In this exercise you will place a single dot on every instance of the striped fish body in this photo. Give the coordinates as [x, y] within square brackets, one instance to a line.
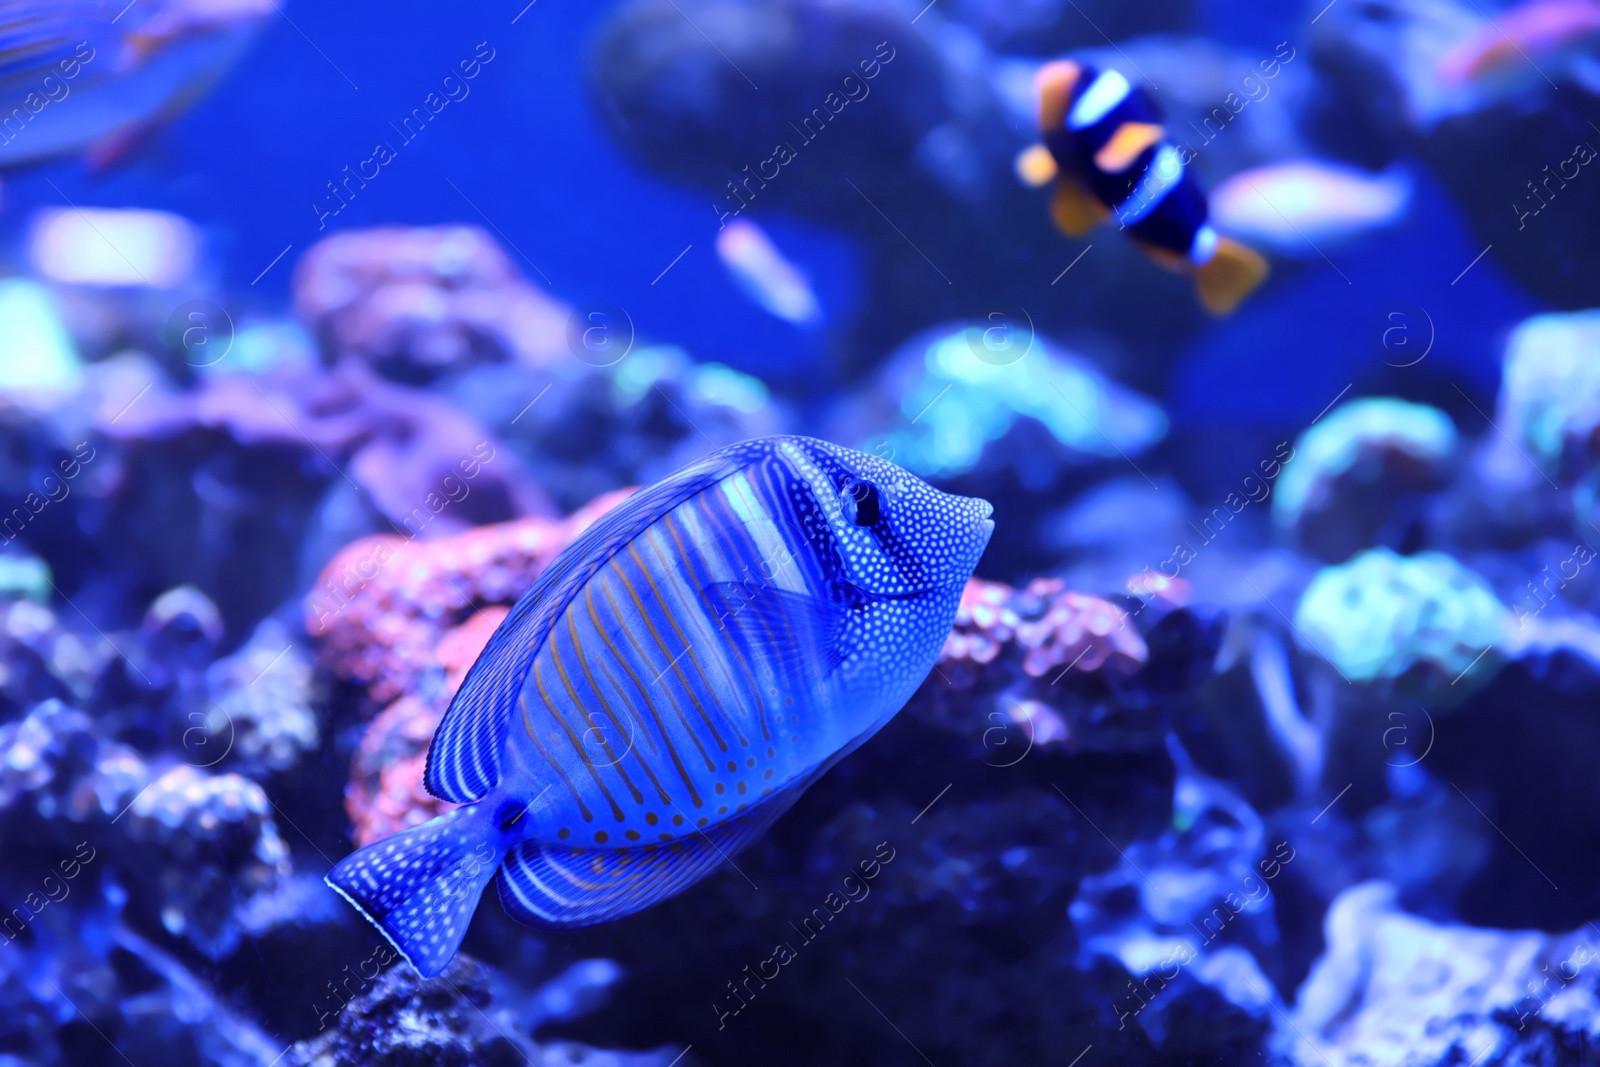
[671, 685]
[669, 694]
[1107, 148]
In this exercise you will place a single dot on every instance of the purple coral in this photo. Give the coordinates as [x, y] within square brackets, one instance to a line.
[414, 302]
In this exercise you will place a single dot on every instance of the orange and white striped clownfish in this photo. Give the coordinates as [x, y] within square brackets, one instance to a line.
[1108, 153]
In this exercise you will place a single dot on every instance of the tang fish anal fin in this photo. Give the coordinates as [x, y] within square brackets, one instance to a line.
[796, 633]
[464, 758]
[1229, 276]
[1074, 208]
[553, 886]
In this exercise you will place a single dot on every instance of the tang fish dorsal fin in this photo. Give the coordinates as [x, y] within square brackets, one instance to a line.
[554, 886]
[464, 758]
[36, 33]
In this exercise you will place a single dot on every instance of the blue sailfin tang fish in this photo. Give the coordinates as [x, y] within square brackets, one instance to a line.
[127, 69]
[670, 685]
[1106, 148]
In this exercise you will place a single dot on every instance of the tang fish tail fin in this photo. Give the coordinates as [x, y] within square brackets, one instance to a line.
[421, 886]
[1074, 208]
[554, 886]
[1230, 275]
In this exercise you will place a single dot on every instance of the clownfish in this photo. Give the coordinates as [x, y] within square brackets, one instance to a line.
[1108, 153]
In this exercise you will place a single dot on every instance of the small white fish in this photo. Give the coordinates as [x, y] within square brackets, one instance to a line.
[1290, 206]
[83, 76]
[1514, 50]
[106, 247]
[764, 275]
[1455, 57]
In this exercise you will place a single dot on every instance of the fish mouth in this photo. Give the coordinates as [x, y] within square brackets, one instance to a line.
[986, 521]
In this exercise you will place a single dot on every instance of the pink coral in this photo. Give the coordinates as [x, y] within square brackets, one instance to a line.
[1046, 625]
[385, 794]
[388, 610]
[1081, 631]
[383, 603]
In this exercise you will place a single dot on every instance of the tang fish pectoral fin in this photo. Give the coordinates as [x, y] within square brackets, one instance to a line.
[795, 633]
[421, 886]
[1074, 208]
[552, 886]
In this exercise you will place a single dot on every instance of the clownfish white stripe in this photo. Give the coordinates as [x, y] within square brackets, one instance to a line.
[1163, 175]
[1103, 94]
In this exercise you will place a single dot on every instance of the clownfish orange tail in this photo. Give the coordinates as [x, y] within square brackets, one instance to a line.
[1231, 274]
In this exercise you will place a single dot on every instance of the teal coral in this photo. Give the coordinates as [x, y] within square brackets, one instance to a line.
[1550, 398]
[1383, 618]
[36, 353]
[1081, 408]
[1355, 439]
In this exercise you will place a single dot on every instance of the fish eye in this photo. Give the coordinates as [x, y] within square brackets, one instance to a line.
[861, 503]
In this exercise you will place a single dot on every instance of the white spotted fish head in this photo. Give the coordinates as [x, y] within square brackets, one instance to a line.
[895, 535]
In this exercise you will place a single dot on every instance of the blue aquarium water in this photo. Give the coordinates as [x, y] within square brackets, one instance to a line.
[688, 532]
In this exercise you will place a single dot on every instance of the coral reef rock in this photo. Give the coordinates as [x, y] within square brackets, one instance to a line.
[1396, 991]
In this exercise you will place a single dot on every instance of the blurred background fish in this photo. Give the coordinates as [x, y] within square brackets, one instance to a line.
[126, 70]
[1528, 45]
[1291, 206]
[763, 274]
